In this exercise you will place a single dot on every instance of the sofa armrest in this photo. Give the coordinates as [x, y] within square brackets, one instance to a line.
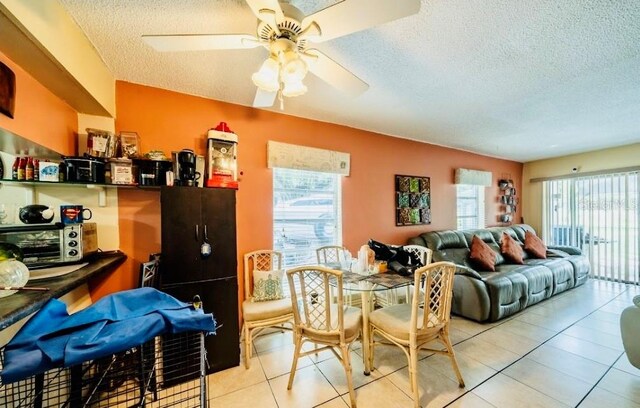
[571, 250]
[463, 270]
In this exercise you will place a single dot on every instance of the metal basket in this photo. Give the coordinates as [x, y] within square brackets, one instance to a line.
[167, 371]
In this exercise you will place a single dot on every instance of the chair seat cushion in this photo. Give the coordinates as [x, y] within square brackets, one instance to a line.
[352, 321]
[396, 320]
[270, 309]
[352, 325]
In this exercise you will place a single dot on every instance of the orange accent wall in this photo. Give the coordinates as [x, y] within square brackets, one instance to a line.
[171, 121]
[39, 115]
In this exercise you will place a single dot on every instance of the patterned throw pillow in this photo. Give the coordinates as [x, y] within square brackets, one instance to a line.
[267, 285]
[482, 256]
[511, 249]
[534, 245]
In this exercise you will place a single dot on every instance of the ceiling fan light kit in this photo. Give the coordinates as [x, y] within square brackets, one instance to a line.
[285, 31]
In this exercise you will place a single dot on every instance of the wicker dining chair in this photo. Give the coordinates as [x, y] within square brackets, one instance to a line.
[411, 327]
[330, 254]
[258, 316]
[323, 319]
[395, 296]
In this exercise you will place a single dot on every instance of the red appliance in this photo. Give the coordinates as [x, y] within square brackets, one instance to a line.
[222, 167]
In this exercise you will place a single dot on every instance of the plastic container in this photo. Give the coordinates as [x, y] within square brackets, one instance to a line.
[101, 143]
[122, 171]
[12, 273]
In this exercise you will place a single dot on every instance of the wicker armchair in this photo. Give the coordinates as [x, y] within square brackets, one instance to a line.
[323, 319]
[261, 315]
[411, 327]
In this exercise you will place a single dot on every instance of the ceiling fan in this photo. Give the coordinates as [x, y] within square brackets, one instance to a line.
[287, 34]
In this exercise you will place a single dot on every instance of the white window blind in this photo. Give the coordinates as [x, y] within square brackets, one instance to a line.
[470, 206]
[307, 213]
[598, 214]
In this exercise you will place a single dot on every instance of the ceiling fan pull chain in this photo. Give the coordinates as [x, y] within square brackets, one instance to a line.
[281, 99]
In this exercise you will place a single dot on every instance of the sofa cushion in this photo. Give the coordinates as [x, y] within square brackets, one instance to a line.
[534, 245]
[507, 291]
[562, 270]
[486, 236]
[511, 249]
[482, 255]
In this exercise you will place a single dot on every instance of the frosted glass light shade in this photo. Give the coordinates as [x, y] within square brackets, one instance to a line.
[294, 88]
[267, 76]
[294, 70]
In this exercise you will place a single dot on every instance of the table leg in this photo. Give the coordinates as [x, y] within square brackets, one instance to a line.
[365, 298]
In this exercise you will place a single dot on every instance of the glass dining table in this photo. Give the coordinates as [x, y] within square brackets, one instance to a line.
[367, 285]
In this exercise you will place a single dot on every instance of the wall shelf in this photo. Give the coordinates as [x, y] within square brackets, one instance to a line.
[100, 188]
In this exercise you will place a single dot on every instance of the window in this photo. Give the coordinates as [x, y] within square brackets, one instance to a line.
[470, 206]
[599, 214]
[306, 214]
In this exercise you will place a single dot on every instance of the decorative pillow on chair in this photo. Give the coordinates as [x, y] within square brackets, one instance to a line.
[482, 255]
[534, 245]
[511, 249]
[267, 285]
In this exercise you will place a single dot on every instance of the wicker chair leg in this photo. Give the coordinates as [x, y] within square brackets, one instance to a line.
[247, 346]
[294, 364]
[454, 363]
[413, 376]
[346, 363]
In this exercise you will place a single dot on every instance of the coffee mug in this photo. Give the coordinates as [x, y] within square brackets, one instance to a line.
[74, 214]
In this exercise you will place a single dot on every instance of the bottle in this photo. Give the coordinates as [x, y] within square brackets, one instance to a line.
[62, 172]
[22, 166]
[36, 169]
[28, 173]
[14, 169]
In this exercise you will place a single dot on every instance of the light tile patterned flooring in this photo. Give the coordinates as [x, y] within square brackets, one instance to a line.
[563, 352]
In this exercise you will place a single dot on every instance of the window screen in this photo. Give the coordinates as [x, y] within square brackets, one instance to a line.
[470, 206]
[306, 214]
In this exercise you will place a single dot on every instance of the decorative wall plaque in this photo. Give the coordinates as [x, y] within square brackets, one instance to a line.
[7, 90]
[413, 200]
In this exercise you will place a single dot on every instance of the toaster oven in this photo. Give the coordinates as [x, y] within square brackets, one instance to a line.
[45, 245]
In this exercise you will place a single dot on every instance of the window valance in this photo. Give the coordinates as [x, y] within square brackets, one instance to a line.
[290, 156]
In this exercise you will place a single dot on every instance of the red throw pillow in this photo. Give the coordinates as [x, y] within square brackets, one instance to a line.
[534, 245]
[482, 255]
[511, 249]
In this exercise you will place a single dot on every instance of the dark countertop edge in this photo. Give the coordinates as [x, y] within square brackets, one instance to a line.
[20, 305]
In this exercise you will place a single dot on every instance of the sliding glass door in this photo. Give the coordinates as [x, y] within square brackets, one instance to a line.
[600, 215]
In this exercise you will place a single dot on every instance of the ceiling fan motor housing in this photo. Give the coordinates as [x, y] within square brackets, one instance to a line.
[290, 28]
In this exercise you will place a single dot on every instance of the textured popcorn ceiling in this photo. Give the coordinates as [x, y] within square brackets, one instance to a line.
[520, 79]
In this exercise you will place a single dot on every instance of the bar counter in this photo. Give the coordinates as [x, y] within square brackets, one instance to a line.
[23, 303]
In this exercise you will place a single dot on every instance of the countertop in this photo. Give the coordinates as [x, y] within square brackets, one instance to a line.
[22, 304]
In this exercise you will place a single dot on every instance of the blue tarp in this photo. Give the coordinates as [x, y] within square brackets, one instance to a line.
[53, 338]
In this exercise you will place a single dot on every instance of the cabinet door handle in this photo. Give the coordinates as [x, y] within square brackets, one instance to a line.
[197, 232]
[206, 234]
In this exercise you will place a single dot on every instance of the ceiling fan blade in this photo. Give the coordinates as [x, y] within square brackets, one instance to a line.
[264, 99]
[350, 16]
[333, 73]
[258, 5]
[199, 42]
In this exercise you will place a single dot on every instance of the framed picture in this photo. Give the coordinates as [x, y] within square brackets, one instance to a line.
[7, 90]
[413, 200]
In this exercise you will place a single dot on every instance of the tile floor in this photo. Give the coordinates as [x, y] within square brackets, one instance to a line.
[563, 352]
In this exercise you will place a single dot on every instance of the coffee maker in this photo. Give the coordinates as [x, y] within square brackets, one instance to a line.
[184, 165]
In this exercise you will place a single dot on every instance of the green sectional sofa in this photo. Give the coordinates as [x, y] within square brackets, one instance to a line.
[490, 296]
